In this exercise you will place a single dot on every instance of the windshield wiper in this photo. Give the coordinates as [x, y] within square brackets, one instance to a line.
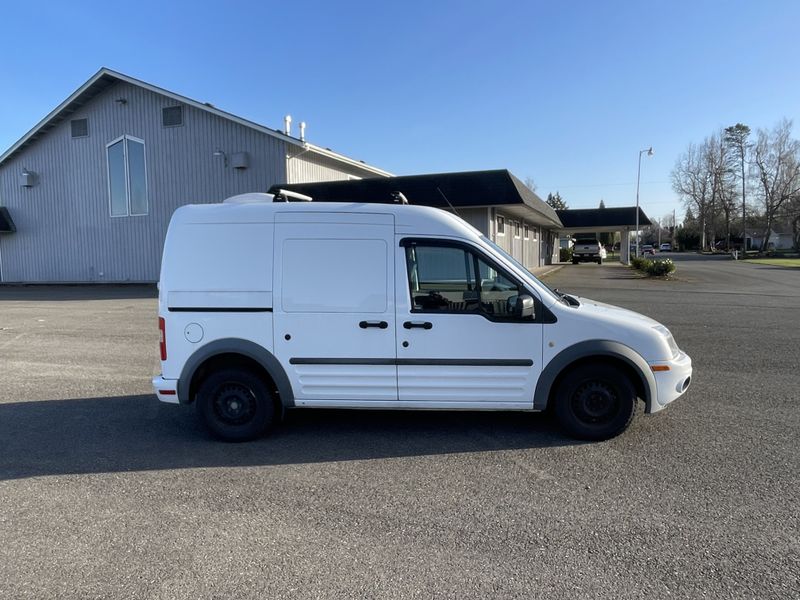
[566, 298]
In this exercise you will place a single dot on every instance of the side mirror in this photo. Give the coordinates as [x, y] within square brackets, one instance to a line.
[524, 307]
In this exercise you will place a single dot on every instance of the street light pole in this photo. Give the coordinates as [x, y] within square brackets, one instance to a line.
[638, 177]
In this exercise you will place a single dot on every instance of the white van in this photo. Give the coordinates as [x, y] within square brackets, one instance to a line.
[266, 306]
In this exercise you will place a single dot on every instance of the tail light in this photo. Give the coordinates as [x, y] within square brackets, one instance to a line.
[162, 343]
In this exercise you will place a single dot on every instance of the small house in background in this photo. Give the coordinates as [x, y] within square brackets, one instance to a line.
[780, 238]
[89, 191]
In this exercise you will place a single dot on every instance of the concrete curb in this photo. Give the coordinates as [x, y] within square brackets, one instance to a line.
[543, 271]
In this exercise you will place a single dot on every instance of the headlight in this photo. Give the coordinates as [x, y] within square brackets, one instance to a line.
[670, 340]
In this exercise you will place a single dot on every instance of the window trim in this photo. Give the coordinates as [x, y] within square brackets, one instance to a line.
[500, 220]
[541, 313]
[124, 139]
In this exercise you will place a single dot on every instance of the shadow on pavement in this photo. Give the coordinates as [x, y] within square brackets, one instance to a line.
[134, 433]
[55, 293]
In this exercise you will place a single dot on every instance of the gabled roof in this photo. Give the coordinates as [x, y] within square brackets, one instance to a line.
[105, 78]
[440, 190]
[602, 217]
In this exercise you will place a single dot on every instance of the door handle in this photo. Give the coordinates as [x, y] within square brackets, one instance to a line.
[418, 325]
[377, 324]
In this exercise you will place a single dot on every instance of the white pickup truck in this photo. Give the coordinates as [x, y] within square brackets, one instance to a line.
[588, 250]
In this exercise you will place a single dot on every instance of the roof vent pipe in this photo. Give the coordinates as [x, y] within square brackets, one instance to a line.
[287, 124]
[302, 131]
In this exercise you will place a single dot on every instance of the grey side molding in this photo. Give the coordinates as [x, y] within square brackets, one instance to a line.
[586, 349]
[236, 346]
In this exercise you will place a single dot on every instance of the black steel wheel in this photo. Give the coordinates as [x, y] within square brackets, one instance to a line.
[595, 402]
[235, 405]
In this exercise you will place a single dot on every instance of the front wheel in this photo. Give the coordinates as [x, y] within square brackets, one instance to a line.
[235, 405]
[595, 402]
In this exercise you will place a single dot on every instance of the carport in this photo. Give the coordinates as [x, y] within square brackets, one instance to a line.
[582, 221]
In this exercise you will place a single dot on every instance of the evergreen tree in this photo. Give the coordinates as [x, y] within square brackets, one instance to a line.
[556, 201]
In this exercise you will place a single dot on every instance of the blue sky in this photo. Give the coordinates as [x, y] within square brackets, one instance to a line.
[565, 93]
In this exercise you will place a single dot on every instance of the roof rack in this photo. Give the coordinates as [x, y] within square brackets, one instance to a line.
[282, 195]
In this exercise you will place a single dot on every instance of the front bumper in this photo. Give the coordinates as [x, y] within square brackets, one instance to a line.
[671, 384]
[166, 389]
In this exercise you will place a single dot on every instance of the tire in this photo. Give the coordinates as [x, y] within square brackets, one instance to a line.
[574, 262]
[599, 261]
[595, 402]
[235, 405]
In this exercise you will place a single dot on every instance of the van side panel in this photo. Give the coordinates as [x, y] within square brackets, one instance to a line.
[219, 257]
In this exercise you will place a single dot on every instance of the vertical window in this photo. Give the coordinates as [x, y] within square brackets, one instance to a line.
[516, 229]
[501, 225]
[117, 187]
[127, 177]
[527, 231]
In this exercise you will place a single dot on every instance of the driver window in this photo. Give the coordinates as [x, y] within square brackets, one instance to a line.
[442, 279]
[451, 279]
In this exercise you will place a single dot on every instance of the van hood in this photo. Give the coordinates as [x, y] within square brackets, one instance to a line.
[594, 320]
[611, 312]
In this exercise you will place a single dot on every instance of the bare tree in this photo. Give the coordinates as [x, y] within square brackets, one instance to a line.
[530, 184]
[691, 181]
[776, 166]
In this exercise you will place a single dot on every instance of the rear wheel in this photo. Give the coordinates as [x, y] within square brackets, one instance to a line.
[574, 261]
[595, 402]
[235, 405]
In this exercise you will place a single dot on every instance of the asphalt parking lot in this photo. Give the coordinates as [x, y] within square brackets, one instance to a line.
[107, 493]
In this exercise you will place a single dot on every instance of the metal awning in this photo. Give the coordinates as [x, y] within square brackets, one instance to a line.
[598, 220]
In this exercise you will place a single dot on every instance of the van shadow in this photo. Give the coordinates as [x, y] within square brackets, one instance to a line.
[135, 433]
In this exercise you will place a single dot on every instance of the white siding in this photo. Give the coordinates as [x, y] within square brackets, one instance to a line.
[306, 168]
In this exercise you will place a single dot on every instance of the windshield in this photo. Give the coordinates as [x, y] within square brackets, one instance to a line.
[520, 266]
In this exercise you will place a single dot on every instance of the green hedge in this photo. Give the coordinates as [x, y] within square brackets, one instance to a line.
[565, 255]
[654, 268]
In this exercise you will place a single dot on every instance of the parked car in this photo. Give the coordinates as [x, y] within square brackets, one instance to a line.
[666, 247]
[647, 249]
[266, 306]
[588, 250]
